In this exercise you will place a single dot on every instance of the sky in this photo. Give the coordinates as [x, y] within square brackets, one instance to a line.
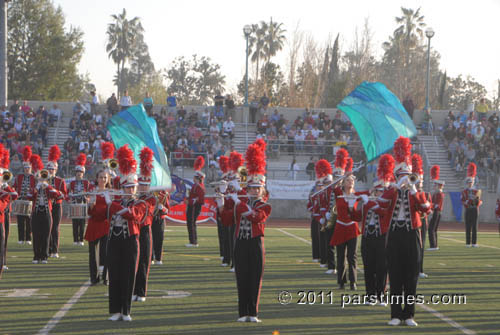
[466, 32]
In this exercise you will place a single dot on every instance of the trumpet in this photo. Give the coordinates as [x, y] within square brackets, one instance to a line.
[7, 176]
[113, 163]
[44, 175]
[413, 178]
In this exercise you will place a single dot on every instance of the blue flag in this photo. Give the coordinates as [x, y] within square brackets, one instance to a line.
[133, 127]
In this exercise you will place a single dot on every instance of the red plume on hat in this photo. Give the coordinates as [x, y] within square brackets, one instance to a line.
[256, 160]
[341, 158]
[402, 150]
[27, 153]
[385, 167]
[54, 153]
[36, 162]
[435, 172]
[261, 144]
[107, 150]
[235, 160]
[224, 164]
[416, 164]
[199, 163]
[81, 160]
[349, 165]
[146, 165]
[126, 160]
[471, 170]
[322, 168]
[5, 158]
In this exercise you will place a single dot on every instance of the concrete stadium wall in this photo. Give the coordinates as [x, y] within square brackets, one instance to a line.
[296, 209]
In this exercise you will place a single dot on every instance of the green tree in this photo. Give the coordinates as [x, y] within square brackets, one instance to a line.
[152, 83]
[123, 35]
[43, 56]
[195, 81]
[461, 92]
[256, 45]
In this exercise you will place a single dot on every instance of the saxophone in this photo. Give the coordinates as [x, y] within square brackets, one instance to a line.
[333, 213]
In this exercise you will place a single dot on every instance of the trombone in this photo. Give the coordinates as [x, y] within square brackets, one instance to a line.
[337, 181]
[7, 176]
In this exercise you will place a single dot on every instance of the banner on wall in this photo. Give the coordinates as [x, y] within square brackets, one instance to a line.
[177, 213]
[289, 189]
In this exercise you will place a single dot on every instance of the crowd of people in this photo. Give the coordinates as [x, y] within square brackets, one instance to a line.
[474, 137]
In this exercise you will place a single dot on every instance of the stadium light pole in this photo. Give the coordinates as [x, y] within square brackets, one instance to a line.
[247, 29]
[3, 53]
[429, 32]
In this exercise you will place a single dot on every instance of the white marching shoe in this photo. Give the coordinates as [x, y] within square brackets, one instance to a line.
[115, 317]
[394, 322]
[411, 323]
[422, 275]
[126, 318]
[330, 271]
[159, 263]
[322, 265]
[28, 242]
[432, 249]
[231, 270]
[134, 298]
[35, 261]
[315, 260]
[254, 319]
[475, 245]
[467, 246]
[243, 319]
[224, 264]
[141, 299]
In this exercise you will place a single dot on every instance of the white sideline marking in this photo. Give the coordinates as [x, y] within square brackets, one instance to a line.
[441, 316]
[62, 312]
[442, 264]
[458, 241]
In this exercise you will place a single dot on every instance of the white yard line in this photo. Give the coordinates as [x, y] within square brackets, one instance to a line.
[463, 242]
[437, 314]
[65, 309]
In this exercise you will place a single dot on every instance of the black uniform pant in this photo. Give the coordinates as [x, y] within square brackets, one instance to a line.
[158, 231]
[192, 213]
[326, 251]
[41, 222]
[24, 228]
[228, 245]
[315, 238]
[375, 270]
[54, 232]
[220, 234]
[122, 260]
[141, 278]
[7, 231]
[347, 250]
[433, 228]
[78, 229]
[403, 260]
[97, 257]
[423, 232]
[471, 215]
[2, 246]
[249, 259]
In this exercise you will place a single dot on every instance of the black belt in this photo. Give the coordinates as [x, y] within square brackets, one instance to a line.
[370, 231]
[41, 209]
[400, 225]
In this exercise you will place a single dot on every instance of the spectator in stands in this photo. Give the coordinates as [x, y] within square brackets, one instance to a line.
[273, 144]
[263, 124]
[310, 168]
[205, 118]
[148, 104]
[254, 108]
[181, 114]
[214, 130]
[409, 106]
[230, 106]
[54, 115]
[15, 164]
[219, 105]
[470, 155]
[294, 169]
[493, 120]
[310, 142]
[482, 109]
[112, 104]
[14, 108]
[94, 103]
[125, 100]
[299, 140]
[275, 116]
[471, 121]
[478, 132]
[172, 102]
[428, 122]
[264, 103]
[228, 128]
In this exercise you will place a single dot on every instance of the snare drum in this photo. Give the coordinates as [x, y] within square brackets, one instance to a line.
[22, 207]
[78, 211]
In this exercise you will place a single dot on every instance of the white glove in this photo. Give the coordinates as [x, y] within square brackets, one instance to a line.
[223, 186]
[234, 196]
[235, 184]
[41, 186]
[322, 221]
[220, 202]
[364, 197]
[413, 189]
[107, 198]
[402, 181]
[92, 200]
[328, 215]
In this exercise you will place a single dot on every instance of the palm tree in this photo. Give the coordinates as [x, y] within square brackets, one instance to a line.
[256, 43]
[411, 27]
[122, 36]
[274, 41]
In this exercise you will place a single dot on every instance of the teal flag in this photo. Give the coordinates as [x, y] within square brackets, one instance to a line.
[133, 127]
[378, 117]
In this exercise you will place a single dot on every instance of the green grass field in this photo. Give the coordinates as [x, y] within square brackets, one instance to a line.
[31, 295]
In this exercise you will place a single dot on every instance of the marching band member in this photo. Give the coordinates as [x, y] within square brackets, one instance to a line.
[158, 225]
[221, 188]
[373, 230]
[250, 219]
[345, 235]
[195, 201]
[437, 201]
[417, 169]
[471, 199]
[4, 168]
[78, 186]
[403, 248]
[98, 228]
[109, 163]
[125, 216]
[227, 206]
[12, 196]
[141, 278]
[24, 186]
[321, 168]
[41, 219]
[60, 185]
